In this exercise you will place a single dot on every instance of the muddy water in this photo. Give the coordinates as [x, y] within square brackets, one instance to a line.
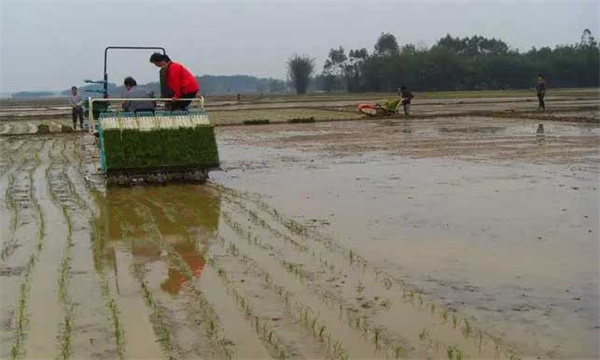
[460, 238]
[485, 217]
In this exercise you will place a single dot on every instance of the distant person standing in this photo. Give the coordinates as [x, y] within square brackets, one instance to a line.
[77, 110]
[179, 80]
[407, 97]
[137, 92]
[541, 92]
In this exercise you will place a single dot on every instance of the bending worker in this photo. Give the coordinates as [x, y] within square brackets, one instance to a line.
[407, 97]
[179, 80]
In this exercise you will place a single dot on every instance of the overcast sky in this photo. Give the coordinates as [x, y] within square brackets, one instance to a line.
[49, 45]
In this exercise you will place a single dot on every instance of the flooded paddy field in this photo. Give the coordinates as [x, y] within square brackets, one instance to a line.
[451, 237]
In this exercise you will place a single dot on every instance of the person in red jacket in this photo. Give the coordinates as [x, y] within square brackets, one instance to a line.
[179, 80]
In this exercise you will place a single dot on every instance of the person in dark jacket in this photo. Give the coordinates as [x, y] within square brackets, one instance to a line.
[541, 92]
[137, 92]
[407, 97]
[179, 80]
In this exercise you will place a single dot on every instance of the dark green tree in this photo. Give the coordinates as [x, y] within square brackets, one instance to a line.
[300, 68]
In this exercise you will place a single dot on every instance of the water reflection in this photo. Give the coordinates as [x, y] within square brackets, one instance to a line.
[540, 136]
[138, 220]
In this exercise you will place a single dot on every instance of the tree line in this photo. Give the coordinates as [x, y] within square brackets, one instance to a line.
[452, 63]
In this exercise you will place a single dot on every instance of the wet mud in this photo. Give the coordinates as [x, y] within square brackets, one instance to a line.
[443, 238]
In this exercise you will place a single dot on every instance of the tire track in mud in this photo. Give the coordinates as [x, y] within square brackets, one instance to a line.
[442, 331]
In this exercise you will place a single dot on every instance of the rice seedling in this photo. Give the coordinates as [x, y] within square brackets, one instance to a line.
[466, 329]
[497, 345]
[432, 308]
[65, 346]
[377, 336]
[14, 215]
[453, 353]
[424, 335]
[398, 352]
[444, 315]
[360, 287]
[512, 355]
[17, 350]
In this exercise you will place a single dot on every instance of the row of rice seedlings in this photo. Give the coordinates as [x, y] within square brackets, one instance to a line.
[37, 207]
[75, 194]
[15, 206]
[412, 296]
[245, 234]
[254, 240]
[378, 334]
[66, 326]
[426, 339]
[295, 227]
[160, 323]
[288, 240]
[117, 329]
[387, 280]
[276, 346]
[257, 220]
[303, 313]
[17, 350]
[212, 323]
[380, 337]
[63, 293]
[14, 216]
